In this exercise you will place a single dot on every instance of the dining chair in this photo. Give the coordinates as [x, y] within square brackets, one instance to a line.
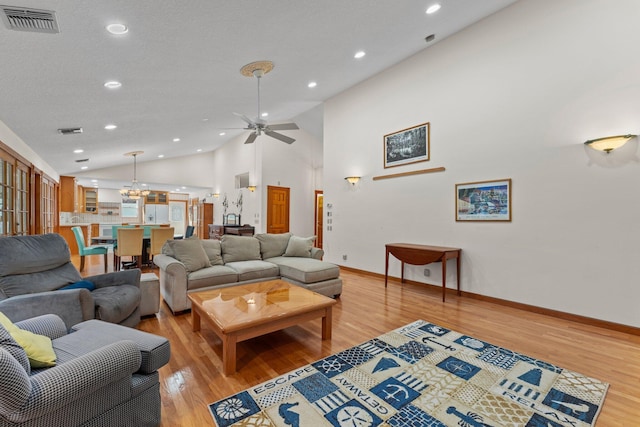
[128, 243]
[85, 250]
[158, 238]
[189, 232]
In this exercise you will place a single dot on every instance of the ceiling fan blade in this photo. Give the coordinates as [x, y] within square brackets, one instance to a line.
[245, 118]
[279, 136]
[284, 126]
[252, 137]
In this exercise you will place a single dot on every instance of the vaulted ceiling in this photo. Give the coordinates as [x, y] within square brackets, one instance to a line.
[179, 68]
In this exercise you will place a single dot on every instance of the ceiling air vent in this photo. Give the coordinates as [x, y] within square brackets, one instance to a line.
[34, 20]
[69, 131]
[82, 160]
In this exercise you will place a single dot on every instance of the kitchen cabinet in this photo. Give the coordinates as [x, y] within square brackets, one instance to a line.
[68, 194]
[90, 200]
[157, 198]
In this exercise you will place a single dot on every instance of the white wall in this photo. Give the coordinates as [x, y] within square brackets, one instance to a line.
[9, 138]
[513, 96]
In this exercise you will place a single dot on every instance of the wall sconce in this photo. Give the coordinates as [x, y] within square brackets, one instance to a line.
[216, 195]
[353, 180]
[609, 143]
[251, 188]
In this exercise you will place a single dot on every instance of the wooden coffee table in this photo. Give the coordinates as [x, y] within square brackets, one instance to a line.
[241, 312]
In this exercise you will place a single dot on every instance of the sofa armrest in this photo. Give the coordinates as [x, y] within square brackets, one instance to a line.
[73, 306]
[60, 385]
[174, 282]
[317, 253]
[49, 325]
[123, 277]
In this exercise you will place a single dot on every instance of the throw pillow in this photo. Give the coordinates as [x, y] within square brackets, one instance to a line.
[10, 345]
[239, 248]
[273, 245]
[86, 284]
[190, 253]
[300, 246]
[214, 251]
[38, 347]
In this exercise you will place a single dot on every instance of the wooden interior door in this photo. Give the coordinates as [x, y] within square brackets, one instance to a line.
[318, 221]
[277, 209]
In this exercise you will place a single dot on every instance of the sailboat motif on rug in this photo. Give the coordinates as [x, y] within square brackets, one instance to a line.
[419, 375]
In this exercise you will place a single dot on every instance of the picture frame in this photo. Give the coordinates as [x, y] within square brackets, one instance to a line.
[411, 145]
[484, 200]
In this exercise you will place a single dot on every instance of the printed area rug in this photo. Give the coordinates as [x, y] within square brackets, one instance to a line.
[419, 375]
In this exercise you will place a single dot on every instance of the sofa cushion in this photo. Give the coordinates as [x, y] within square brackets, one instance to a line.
[189, 252]
[252, 270]
[10, 345]
[213, 250]
[93, 334]
[115, 303]
[306, 270]
[37, 347]
[272, 245]
[211, 276]
[300, 246]
[240, 248]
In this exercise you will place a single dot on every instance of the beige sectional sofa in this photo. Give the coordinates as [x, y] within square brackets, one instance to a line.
[192, 265]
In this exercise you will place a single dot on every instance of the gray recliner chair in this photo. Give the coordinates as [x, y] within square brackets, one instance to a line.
[34, 269]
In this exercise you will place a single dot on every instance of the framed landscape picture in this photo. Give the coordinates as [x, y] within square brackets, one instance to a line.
[484, 201]
[407, 146]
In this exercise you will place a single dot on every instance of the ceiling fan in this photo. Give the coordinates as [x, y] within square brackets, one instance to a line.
[258, 126]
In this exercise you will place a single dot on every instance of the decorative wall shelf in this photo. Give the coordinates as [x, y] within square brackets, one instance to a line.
[418, 172]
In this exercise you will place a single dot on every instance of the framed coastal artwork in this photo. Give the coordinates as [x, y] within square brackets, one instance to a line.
[407, 146]
[484, 201]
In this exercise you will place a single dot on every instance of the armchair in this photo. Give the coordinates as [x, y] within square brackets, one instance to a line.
[105, 374]
[34, 269]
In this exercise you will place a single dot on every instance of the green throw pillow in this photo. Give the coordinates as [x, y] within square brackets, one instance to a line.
[38, 347]
[190, 253]
[240, 248]
[300, 246]
[273, 245]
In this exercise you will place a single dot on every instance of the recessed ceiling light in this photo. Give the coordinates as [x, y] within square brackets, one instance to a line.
[184, 188]
[144, 185]
[199, 150]
[205, 120]
[222, 133]
[160, 156]
[84, 167]
[94, 180]
[359, 54]
[265, 114]
[110, 127]
[78, 151]
[176, 139]
[112, 84]
[433, 8]
[312, 84]
[117, 29]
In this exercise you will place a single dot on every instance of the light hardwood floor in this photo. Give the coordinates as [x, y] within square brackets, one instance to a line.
[193, 378]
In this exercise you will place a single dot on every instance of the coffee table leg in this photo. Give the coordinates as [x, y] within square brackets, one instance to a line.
[326, 324]
[229, 354]
[195, 319]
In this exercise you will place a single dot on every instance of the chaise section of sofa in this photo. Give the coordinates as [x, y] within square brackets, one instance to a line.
[192, 265]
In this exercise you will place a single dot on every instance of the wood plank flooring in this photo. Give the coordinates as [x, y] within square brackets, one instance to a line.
[193, 378]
